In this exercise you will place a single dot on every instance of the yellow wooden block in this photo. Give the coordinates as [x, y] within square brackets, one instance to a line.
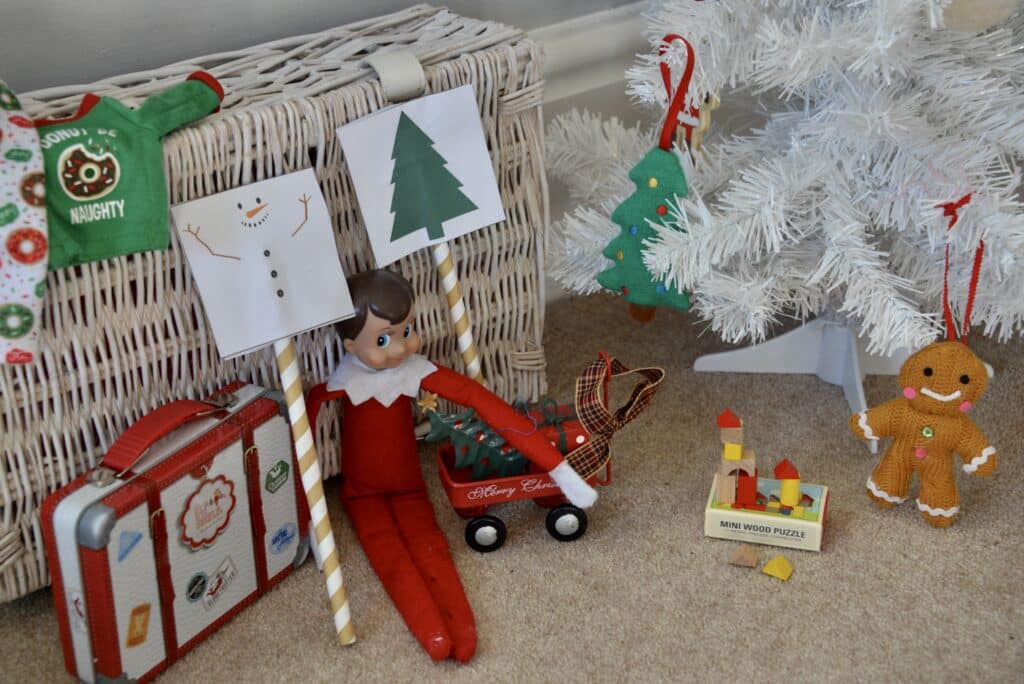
[798, 511]
[732, 452]
[778, 567]
[789, 492]
[773, 505]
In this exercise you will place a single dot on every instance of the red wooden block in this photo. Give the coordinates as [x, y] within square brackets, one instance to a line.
[728, 419]
[746, 489]
[786, 471]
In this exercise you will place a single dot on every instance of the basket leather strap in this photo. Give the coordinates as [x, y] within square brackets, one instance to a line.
[147, 430]
[592, 409]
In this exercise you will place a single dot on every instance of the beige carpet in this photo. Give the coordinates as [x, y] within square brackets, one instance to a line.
[643, 596]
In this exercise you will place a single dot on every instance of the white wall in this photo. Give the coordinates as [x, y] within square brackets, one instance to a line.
[45, 43]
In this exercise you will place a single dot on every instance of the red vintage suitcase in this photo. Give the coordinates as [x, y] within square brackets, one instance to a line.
[194, 512]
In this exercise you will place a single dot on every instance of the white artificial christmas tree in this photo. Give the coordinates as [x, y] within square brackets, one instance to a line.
[875, 114]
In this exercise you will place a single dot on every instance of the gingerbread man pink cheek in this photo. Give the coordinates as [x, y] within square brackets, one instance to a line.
[966, 406]
[910, 392]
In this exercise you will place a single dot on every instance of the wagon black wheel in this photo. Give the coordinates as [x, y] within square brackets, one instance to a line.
[486, 533]
[566, 523]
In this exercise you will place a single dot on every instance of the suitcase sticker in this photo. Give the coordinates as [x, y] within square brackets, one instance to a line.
[207, 512]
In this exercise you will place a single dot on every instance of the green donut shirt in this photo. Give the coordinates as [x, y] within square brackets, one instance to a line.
[105, 188]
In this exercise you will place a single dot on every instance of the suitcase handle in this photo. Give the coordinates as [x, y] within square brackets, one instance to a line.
[134, 442]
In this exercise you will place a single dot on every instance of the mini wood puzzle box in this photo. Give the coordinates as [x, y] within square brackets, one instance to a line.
[780, 511]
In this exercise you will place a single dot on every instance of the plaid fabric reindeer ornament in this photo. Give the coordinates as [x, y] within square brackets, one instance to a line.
[929, 423]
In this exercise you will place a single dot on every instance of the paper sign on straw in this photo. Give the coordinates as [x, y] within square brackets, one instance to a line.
[265, 261]
[422, 173]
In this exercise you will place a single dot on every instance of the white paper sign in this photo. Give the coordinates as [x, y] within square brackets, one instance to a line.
[265, 261]
[422, 173]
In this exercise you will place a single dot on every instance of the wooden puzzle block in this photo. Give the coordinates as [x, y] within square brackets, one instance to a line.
[745, 556]
[772, 505]
[725, 488]
[732, 451]
[778, 567]
[746, 489]
[731, 435]
[798, 511]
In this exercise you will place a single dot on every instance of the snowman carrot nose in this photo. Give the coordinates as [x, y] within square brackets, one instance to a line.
[253, 212]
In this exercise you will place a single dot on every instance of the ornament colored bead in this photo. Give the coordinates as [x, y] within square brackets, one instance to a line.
[633, 230]
[928, 432]
[659, 289]
[618, 255]
[652, 182]
[662, 210]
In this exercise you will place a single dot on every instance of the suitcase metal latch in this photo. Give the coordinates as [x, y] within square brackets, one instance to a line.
[101, 476]
[220, 402]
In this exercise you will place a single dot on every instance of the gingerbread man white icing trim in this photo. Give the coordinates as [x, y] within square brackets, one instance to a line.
[979, 460]
[863, 425]
[944, 512]
[881, 494]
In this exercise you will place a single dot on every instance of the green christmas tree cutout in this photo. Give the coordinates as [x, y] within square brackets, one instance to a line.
[659, 179]
[426, 194]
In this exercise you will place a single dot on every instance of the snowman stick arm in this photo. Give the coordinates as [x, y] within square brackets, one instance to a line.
[194, 232]
[305, 206]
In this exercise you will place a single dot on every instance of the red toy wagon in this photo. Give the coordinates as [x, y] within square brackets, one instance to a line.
[583, 434]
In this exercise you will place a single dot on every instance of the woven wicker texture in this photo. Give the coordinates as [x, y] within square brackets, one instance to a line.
[126, 335]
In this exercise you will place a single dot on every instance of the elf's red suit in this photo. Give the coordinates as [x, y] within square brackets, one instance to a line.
[386, 499]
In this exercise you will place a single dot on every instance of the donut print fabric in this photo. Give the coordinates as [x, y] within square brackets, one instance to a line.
[23, 233]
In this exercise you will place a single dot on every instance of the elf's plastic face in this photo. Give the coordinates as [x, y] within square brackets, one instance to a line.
[382, 344]
[944, 378]
[254, 215]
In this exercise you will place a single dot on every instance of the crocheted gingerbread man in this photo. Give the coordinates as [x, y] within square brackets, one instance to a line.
[940, 384]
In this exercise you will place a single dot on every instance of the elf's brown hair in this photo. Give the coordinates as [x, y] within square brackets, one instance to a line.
[387, 294]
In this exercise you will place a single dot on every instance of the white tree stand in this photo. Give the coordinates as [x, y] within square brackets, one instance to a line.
[827, 348]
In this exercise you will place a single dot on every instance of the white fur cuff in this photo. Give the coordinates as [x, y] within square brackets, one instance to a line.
[979, 460]
[573, 486]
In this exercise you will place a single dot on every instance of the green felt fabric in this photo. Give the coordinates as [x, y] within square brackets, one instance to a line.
[629, 276]
[105, 188]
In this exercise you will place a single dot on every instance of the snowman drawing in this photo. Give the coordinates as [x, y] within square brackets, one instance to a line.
[253, 218]
[264, 259]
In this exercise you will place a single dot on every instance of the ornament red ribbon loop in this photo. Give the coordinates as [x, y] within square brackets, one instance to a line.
[951, 210]
[677, 98]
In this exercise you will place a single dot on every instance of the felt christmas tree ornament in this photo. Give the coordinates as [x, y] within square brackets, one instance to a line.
[23, 233]
[659, 181]
[929, 423]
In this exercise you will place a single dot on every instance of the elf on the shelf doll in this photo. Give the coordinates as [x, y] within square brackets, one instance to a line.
[383, 490]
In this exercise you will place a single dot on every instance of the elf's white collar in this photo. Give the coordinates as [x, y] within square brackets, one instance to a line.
[361, 382]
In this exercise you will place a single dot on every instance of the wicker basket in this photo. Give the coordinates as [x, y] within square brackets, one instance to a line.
[125, 335]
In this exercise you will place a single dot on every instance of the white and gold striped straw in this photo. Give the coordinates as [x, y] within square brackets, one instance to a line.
[312, 483]
[457, 310]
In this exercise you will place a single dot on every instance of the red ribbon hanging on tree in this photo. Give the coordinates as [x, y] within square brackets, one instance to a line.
[951, 210]
[676, 99]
